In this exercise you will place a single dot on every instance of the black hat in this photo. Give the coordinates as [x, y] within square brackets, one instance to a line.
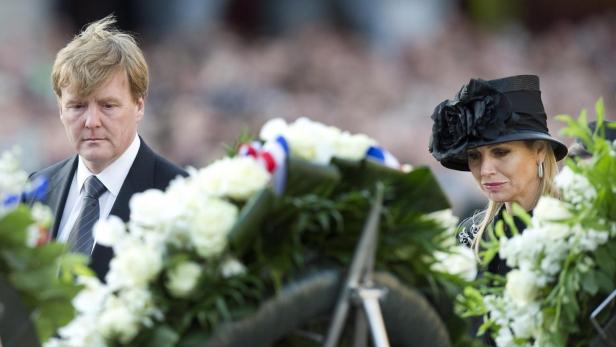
[578, 149]
[489, 112]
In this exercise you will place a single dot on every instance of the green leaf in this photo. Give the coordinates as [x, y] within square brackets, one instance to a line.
[510, 223]
[194, 339]
[163, 336]
[589, 283]
[51, 315]
[605, 261]
[305, 177]
[13, 227]
[599, 110]
[250, 219]
[521, 213]
[606, 284]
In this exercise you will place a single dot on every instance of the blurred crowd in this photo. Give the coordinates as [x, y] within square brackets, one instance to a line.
[209, 86]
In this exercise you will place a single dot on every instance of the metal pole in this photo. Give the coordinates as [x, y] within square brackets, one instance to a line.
[370, 298]
[362, 253]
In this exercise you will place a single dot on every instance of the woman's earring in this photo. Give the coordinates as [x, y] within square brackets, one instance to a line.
[540, 169]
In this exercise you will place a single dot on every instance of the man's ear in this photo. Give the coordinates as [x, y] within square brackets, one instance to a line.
[140, 108]
[59, 103]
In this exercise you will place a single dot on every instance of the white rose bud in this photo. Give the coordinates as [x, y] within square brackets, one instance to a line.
[238, 178]
[182, 279]
[460, 262]
[273, 128]
[118, 322]
[521, 286]
[210, 226]
[149, 208]
[110, 231]
[232, 267]
[135, 265]
[551, 209]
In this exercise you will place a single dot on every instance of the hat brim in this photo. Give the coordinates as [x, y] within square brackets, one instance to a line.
[460, 162]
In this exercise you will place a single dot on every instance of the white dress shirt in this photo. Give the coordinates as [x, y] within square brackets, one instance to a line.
[112, 177]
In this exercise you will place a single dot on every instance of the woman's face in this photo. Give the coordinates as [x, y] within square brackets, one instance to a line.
[507, 172]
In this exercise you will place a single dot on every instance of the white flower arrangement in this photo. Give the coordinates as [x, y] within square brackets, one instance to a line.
[561, 261]
[177, 240]
[317, 142]
[454, 259]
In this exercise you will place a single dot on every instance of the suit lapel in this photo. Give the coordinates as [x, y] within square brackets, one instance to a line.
[140, 177]
[59, 186]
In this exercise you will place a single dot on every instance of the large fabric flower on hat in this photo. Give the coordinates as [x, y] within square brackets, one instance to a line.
[479, 113]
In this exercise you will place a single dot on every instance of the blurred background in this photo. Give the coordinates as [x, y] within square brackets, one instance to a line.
[220, 67]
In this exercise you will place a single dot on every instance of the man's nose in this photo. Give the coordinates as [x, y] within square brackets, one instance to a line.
[93, 118]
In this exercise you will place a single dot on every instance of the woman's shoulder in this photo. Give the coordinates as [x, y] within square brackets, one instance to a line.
[469, 228]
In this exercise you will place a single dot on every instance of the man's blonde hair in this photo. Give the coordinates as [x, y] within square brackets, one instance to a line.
[94, 55]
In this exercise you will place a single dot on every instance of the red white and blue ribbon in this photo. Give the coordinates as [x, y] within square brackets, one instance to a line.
[383, 156]
[272, 155]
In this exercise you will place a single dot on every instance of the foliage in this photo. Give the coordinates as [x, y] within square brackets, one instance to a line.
[563, 264]
[30, 264]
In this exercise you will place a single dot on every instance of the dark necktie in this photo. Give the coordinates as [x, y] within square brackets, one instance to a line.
[80, 238]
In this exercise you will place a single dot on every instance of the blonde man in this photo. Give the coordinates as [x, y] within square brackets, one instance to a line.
[100, 79]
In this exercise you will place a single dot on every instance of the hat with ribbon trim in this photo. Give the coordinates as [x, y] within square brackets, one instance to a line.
[489, 112]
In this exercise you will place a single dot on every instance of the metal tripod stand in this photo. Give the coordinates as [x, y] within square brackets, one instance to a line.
[358, 289]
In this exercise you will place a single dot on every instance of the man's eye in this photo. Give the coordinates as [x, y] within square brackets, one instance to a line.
[75, 106]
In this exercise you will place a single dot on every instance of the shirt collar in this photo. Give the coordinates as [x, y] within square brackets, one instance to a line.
[113, 175]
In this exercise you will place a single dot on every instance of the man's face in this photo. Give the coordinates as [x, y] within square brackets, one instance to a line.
[102, 125]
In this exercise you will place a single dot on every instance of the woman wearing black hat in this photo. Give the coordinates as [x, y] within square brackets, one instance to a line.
[497, 130]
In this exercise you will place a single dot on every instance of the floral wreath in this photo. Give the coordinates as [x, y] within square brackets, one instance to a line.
[216, 244]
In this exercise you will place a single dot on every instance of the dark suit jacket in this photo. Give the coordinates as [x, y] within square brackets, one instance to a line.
[149, 170]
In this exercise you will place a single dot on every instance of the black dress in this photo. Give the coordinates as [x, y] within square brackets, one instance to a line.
[470, 227]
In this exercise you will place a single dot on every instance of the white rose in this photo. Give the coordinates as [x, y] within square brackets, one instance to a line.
[137, 299]
[151, 209]
[575, 187]
[273, 127]
[110, 231]
[459, 262]
[238, 178]
[92, 297]
[82, 331]
[42, 215]
[135, 264]
[550, 209]
[311, 140]
[210, 225]
[505, 338]
[232, 267]
[182, 279]
[352, 147]
[117, 321]
[521, 286]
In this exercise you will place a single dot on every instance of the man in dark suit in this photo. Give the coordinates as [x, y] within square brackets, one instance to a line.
[100, 79]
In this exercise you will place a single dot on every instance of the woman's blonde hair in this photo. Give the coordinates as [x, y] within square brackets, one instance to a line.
[547, 188]
[94, 55]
